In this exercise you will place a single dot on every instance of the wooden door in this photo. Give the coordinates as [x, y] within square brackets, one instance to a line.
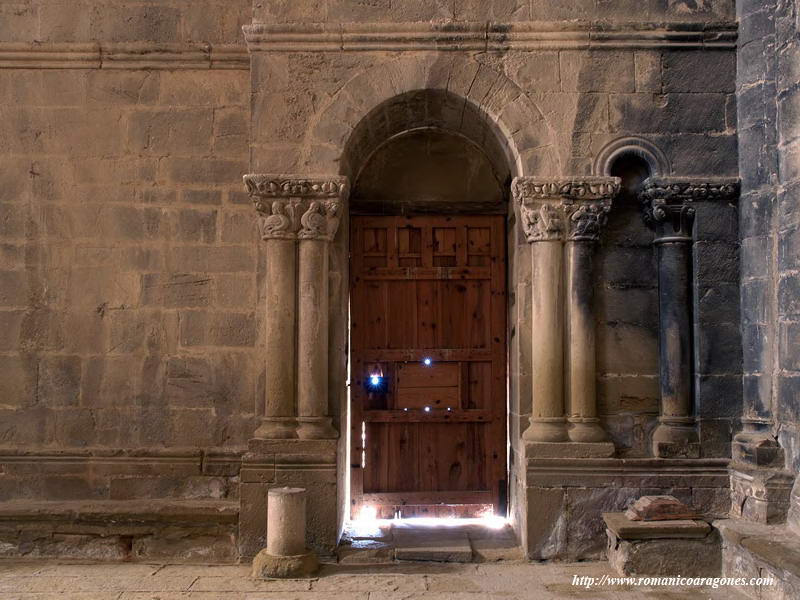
[428, 320]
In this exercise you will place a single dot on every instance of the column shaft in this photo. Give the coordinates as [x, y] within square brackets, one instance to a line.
[279, 409]
[675, 434]
[581, 367]
[548, 423]
[312, 350]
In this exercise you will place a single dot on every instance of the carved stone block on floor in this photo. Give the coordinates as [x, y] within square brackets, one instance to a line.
[690, 548]
[760, 494]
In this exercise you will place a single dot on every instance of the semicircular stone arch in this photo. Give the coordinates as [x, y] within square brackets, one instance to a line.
[455, 93]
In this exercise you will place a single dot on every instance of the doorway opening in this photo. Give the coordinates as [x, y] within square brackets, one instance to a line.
[428, 355]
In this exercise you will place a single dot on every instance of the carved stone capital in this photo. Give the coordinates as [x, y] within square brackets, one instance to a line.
[586, 220]
[667, 203]
[555, 209]
[542, 221]
[320, 220]
[292, 207]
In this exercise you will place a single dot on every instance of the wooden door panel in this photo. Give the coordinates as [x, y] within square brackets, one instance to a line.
[428, 288]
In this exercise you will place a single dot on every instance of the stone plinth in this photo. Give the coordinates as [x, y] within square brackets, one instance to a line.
[310, 464]
[689, 548]
[566, 497]
[569, 449]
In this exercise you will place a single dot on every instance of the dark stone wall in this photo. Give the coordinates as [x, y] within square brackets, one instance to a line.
[768, 94]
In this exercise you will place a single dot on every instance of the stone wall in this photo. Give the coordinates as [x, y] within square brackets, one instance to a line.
[129, 258]
[768, 97]
[131, 279]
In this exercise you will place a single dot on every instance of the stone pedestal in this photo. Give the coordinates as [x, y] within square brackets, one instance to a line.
[689, 548]
[286, 554]
[268, 464]
[576, 491]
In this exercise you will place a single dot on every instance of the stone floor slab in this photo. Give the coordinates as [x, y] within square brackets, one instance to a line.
[397, 581]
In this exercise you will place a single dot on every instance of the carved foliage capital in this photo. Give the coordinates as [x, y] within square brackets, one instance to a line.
[291, 207]
[575, 188]
[575, 208]
[667, 202]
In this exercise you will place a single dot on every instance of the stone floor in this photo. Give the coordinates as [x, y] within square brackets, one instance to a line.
[399, 581]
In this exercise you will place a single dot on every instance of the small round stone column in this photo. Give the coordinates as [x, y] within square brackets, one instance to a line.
[586, 222]
[277, 227]
[547, 421]
[286, 554]
[668, 210]
[319, 224]
[541, 218]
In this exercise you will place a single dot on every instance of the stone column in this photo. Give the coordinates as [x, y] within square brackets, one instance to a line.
[277, 225]
[286, 554]
[542, 222]
[294, 210]
[548, 211]
[585, 222]
[319, 224]
[669, 212]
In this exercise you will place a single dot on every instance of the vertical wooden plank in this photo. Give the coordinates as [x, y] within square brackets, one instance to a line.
[427, 244]
[401, 315]
[403, 452]
[461, 244]
[427, 313]
[392, 260]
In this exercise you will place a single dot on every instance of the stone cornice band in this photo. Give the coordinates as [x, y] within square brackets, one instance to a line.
[482, 36]
[317, 37]
[133, 55]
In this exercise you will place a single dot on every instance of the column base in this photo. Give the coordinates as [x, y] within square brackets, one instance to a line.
[277, 428]
[676, 437]
[546, 429]
[586, 429]
[270, 565]
[316, 428]
[756, 445]
[569, 449]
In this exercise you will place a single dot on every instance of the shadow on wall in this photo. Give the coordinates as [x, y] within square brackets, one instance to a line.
[626, 292]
